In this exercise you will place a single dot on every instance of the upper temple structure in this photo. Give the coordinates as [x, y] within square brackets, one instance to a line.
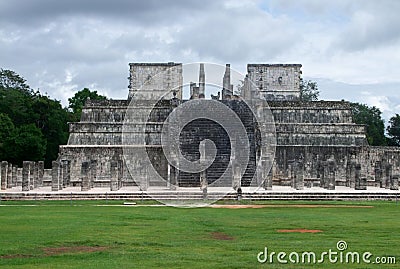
[317, 142]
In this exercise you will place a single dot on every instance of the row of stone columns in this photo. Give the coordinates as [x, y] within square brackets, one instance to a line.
[385, 178]
[32, 175]
[61, 177]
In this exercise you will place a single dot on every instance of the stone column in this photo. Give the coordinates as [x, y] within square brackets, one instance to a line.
[114, 186]
[360, 182]
[236, 177]
[322, 174]
[394, 183]
[299, 176]
[31, 176]
[120, 173]
[65, 166]
[85, 176]
[350, 172]
[203, 180]
[55, 176]
[353, 176]
[35, 175]
[60, 176]
[40, 173]
[15, 176]
[93, 172]
[173, 177]
[19, 177]
[388, 175]
[144, 179]
[357, 176]
[25, 176]
[9, 176]
[4, 169]
[331, 180]
[268, 179]
[204, 183]
[378, 174]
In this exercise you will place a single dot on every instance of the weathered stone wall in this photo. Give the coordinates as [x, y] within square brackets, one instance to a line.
[276, 81]
[155, 77]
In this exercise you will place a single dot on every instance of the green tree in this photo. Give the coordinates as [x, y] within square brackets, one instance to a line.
[77, 102]
[308, 90]
[6, 126]
[17, 105]
[52, 120]
[393, 130]
[11, 80]
[25, 143]
[371, 117]
[25, 107]
[6, 129]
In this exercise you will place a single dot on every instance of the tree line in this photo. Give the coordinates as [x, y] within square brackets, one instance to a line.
[33, 125]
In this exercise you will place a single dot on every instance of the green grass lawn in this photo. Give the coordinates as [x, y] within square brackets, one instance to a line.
[58, 235]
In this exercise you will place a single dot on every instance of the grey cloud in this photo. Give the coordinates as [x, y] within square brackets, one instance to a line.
[360, 24]
[374, 24]
[230, 35]
[23, 13]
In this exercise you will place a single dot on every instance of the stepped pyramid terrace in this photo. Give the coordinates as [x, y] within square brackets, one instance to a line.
[290, 144]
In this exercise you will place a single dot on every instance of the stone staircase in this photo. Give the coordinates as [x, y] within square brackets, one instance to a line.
[200, 129]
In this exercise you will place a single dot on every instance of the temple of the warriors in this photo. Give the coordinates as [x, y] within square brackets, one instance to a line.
[317, 143]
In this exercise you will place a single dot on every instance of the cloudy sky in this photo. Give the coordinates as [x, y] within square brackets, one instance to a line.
[351, 47]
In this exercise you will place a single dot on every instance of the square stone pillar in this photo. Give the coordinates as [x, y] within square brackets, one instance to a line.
[378, 174]
[350, 172]
[93, 172]
[203, 180]
[60, 177]
[267, 175]
[360, 182]
[323, 173]
[144, 178]
[9, 176]
[65, 171]
[330, 182]
[40, 173]
[173, 177]
[352, 182]
[120, 173]
[14, 176]
[236, 184]
[204, 184]
[25, 176]
[31, 175]
[19, 177]
[299, 179]
[268, 180]
[55, 176]
[35, 175]
[114, 186]
[394, 183]
[3, 174]
[85, 176]
[389, 175]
